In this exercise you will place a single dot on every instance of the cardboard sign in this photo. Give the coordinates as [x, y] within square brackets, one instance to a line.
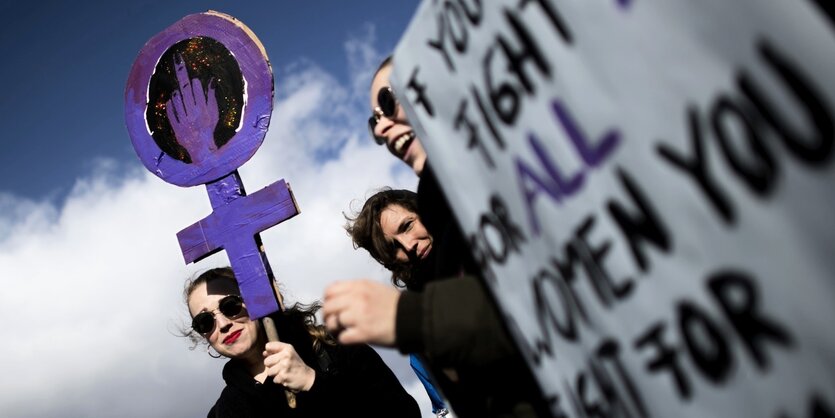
[197, 106]
[226, 58]
[648, 187]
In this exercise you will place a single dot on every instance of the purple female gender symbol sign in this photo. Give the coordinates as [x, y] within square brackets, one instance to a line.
[189, 118]
[197, 105]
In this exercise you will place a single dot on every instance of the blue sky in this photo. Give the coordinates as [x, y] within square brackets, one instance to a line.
[91, 265]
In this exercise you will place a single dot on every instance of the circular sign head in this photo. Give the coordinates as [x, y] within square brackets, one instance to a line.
[198, 99]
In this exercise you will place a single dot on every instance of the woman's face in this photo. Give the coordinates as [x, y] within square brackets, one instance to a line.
[231, 337]
[397, 132]
[405, 233]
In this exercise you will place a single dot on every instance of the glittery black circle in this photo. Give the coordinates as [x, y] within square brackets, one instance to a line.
[206, 59]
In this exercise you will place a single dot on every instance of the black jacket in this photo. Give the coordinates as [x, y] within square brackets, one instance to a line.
[350, 381]
[453, 321]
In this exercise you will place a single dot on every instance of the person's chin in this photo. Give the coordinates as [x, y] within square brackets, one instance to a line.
[417, 163]
[409, 161]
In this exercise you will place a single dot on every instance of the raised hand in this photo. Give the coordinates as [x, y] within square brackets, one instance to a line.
[192, 113]
[287, 368]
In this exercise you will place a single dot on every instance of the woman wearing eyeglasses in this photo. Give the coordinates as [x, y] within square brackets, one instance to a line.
[328, 379]
[388, 124]
[452, 320]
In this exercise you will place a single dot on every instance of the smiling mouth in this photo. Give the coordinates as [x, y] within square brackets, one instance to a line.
[425, 252]
[402, 142]
[231, 338]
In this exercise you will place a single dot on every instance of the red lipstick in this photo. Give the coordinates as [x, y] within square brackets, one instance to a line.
[231, 338]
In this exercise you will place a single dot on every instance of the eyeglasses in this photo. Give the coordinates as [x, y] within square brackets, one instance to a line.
[386, 106]
[230, 306]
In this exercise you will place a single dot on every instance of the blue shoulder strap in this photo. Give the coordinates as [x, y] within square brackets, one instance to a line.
[434, 395]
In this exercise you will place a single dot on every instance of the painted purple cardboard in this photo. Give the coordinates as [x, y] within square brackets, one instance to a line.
[197, 106]
[234, 226]
[257, 100]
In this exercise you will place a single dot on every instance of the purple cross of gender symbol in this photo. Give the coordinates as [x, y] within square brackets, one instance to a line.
[197, 106]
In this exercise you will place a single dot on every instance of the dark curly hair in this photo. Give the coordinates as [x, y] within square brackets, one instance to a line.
[366, 232]
[306, 314]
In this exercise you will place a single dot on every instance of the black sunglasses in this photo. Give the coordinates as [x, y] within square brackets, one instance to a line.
[230, 306]
[386, 106]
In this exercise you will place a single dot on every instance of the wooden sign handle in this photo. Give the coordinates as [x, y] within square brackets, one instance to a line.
[272, 335]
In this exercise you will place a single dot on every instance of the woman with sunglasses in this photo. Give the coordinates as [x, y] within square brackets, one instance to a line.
[388, 124]
[328, 379]
[451, 319]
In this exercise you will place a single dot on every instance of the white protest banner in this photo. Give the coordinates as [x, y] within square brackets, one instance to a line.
[649, 187]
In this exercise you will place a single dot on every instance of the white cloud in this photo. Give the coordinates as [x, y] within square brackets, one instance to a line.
[92, 287]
